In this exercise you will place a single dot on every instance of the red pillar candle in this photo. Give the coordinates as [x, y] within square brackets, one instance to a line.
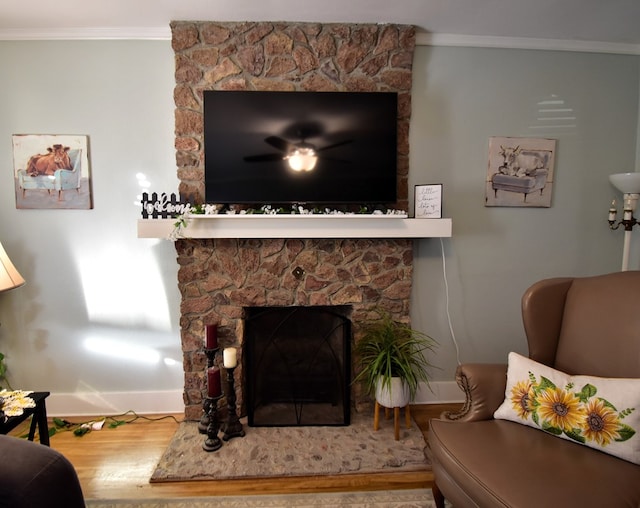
[213, 382]
[211, 337]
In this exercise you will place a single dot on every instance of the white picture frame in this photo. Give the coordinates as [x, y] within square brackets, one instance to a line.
[428, 201]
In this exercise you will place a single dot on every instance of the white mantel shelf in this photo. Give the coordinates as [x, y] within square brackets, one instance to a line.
[298, 226]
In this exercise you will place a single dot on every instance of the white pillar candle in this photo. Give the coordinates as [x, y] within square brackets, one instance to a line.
[229, 357]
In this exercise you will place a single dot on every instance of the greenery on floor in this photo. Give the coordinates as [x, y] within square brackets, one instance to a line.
[113, 422]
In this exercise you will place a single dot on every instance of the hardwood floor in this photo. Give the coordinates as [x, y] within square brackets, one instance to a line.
[117, 463]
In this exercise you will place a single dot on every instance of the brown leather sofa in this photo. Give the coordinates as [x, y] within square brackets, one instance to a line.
[580, 326]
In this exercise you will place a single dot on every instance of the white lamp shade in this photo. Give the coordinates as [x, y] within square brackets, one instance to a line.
[9, 276]
[627, 183]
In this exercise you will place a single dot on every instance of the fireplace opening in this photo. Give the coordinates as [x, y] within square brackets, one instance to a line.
[297, 365]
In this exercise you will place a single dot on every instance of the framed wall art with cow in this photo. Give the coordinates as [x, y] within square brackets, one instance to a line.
[520, 172]
[51, 171]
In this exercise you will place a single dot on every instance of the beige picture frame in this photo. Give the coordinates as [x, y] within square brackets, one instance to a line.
[51, 171]
[520, 172]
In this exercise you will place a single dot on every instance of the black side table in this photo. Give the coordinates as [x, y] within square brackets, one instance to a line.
[39, 419]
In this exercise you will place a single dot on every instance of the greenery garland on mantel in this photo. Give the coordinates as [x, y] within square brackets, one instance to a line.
[295, 209]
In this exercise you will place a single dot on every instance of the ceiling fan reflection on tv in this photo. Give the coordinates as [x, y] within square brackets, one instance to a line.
[300, 156]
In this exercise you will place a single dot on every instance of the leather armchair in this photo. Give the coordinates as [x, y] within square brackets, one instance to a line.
[588, 326]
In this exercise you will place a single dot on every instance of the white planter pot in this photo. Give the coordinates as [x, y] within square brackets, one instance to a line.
[397, 395]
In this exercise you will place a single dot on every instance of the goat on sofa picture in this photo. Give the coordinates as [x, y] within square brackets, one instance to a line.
[520, 172]
[51, 171]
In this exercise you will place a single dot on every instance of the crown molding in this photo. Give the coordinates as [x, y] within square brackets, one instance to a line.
[422, 39]
[482, 41]
[97, 33]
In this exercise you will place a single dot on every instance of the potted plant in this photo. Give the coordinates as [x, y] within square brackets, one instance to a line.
[393, 360]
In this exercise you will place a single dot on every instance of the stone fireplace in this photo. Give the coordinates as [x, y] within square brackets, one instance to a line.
[220, 278]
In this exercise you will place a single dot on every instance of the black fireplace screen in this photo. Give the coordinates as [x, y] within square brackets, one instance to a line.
[297, 366]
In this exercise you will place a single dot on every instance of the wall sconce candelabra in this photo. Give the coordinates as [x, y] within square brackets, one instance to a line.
[629, 185]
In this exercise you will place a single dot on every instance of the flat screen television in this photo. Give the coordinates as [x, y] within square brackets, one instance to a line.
[250, 138]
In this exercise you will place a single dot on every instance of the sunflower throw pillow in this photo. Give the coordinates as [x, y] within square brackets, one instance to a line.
[602, 413]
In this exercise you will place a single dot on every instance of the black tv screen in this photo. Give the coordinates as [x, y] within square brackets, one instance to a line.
[250, 137]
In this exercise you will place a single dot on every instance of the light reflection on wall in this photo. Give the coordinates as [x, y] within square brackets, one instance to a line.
[122, 350]
[553, 113]
[144, 184]
[124, 287]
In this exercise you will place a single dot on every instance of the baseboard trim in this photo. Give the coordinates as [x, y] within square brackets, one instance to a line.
[439, 392]
[170, 401]
[114, 403]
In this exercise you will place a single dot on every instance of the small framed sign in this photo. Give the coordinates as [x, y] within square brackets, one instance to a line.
[428, 201]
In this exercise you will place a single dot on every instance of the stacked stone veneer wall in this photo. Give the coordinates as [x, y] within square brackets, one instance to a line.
[217, 278]
[288, 57]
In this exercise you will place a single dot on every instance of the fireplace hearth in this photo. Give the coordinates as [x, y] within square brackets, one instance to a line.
[297, 365]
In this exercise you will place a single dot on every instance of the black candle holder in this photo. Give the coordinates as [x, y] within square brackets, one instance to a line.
[233, 427]
[204, 419]
[213, 442]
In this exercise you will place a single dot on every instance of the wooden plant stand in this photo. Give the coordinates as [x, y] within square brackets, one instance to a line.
[396, 418]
